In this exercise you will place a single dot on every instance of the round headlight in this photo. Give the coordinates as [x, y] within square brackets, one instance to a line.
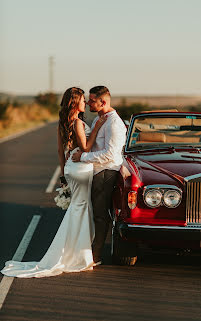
[172, 198]
[153, 198]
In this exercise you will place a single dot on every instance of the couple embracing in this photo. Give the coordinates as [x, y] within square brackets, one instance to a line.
[95, 157]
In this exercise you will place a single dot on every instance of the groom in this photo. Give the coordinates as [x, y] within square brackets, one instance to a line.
[106, 156]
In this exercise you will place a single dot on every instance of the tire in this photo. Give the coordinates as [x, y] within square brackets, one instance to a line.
[123, 252]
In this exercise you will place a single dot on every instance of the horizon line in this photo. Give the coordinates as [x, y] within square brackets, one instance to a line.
[113, 95]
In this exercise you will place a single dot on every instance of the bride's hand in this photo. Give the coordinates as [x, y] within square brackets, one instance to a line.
[101, 121]
[76, 156]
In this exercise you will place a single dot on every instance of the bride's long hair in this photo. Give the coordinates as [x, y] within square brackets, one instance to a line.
[69, 106]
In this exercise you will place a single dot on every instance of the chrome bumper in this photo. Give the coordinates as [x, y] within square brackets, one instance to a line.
[150, 232]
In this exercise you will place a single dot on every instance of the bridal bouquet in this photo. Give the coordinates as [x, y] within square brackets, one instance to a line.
[63, 198]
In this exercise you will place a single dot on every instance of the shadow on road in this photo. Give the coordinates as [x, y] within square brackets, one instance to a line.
[14, 221]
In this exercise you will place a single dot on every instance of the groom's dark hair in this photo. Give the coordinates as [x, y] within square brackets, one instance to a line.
[99, 91]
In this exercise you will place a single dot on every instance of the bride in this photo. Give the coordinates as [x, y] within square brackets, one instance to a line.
[70, 250]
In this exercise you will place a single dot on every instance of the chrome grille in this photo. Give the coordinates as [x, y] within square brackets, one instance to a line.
[193, 202]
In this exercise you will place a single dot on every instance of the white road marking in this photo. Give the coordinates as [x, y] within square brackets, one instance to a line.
[5, 139]
[53, 180]
[6, 282]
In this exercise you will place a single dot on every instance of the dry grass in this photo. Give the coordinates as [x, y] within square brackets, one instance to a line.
[177, 101]
[17, 119]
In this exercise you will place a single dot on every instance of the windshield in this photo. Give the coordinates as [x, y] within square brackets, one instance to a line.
[163, 130]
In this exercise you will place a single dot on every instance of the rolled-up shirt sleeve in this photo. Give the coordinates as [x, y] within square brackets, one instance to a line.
[115, 135]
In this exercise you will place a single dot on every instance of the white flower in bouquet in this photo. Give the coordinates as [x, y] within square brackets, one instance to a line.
[63, 198]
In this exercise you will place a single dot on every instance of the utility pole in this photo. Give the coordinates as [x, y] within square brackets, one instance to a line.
[51, 76]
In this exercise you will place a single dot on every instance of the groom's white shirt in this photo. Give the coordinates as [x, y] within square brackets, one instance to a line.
[106, 152]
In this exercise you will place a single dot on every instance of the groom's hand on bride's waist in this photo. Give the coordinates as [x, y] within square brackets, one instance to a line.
[76, 156]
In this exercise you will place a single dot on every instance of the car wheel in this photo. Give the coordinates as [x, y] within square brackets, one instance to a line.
[123, 252]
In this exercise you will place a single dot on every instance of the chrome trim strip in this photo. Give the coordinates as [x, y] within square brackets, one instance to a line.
[129, 132]
[189, 178]
[166, 227]
[165, 186]
[193, 201]
[188, 204]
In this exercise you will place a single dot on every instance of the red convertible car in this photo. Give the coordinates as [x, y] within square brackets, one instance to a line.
[157, 201]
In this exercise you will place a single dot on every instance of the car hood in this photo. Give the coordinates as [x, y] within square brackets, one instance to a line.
[167, 166]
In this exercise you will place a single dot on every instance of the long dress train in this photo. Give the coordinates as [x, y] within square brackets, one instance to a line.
[70, 250]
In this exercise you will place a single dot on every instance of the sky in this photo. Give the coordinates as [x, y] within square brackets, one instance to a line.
[134, 47]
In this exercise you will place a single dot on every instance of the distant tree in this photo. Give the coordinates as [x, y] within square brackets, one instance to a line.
[16, 103]
[196, 108]
[125, 112]
[48, 100]
[3, 108]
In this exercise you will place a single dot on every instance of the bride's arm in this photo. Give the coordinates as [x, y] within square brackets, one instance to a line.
[60, 151]
[86, 144]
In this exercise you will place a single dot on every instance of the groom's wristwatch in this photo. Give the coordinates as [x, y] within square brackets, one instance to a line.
[62, 180]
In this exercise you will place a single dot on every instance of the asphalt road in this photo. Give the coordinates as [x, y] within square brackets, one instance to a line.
[156, 288]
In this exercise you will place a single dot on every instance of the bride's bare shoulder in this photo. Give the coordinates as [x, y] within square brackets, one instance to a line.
[78, 121]
[78, 124]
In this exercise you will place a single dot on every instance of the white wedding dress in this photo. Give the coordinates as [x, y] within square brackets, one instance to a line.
[70, 250]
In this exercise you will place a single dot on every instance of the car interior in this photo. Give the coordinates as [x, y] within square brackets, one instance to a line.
[165, 130]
